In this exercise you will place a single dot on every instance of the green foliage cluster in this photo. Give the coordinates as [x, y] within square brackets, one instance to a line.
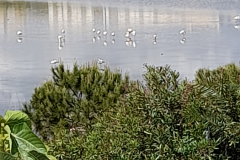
[73, 99]
[216, 101]
[162, 118]
[17, 141]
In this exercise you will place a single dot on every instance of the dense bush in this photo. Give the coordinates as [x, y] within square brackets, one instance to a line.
[73, 99]
[149, 124]
[216, 103]
[162, 118]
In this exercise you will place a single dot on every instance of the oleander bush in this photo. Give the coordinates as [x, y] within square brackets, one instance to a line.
[162, 117]
[150, 124]
[217, 104]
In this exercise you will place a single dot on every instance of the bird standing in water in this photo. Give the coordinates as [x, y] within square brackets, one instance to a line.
[19, 33]
[100, 61]
[182, 32]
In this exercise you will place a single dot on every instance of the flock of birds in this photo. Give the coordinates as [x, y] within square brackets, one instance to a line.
[129, 35]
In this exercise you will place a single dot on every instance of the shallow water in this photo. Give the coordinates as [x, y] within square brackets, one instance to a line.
[212, 38]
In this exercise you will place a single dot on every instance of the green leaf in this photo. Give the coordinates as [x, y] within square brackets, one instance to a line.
[51, 157]
[24, 154]
[19, 127]
[6, 156]
[15, 117]
[27, 140]
[37, 156]
[14, 146]
[12, 142]
[2, 120]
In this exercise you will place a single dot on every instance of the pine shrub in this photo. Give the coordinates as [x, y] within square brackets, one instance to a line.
[74, 98]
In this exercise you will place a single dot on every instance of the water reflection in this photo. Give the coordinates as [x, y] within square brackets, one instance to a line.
[19, 39]
[183, 40]
[211, 35]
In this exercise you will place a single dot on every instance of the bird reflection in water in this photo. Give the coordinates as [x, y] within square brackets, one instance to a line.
[237, 26]
[183, 40]
[94, 39]
[113, 41]
[19, 39]
[98, 38]
[105, 43]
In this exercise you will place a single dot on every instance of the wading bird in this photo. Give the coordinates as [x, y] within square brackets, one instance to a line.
[100, 61]
[54, 61]
[112, 34]
[182, 32]
[104, 33]
[236, 17]
[19, 33]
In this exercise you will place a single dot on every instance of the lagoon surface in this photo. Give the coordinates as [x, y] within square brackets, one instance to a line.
[212, 38]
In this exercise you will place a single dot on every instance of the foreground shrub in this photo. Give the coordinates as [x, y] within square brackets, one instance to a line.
[74, 98]
[148, 124]
[67, 145]
[216, 103]
[161, 118]
[166, 119]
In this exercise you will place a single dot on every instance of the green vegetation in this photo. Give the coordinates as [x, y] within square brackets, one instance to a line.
[89, 114]
[74, 99]
[17, 141]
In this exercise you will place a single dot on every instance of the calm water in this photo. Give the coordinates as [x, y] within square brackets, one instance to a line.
[212, 38]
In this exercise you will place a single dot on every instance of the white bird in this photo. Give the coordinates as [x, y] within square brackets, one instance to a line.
[104, 33]
[100, 61]
[236, 17]
[129, 30]
[63, 30]
[207, 133]
[60, 39]
[93, 30]
[19, 33]
[113, 34]
[133, 33]
[154, 37]
[54, 61]
[60, 42]
[98, 32]
[113, 41]
[182, 32]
